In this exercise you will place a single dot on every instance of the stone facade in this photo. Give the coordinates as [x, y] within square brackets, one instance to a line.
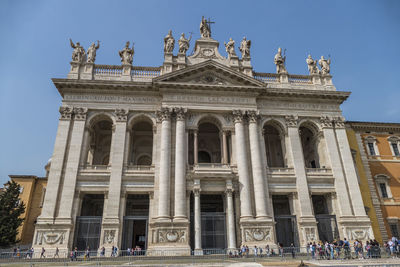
[201, 141]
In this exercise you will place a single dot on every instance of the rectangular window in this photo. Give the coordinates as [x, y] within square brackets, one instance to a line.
[383, 190]
[395, 149]
[371, 149]
[394, 230]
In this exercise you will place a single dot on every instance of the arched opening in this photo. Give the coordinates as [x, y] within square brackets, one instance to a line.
[100, 143]
[209, 143]
[141, 148]
[273, 146]
[309, 142]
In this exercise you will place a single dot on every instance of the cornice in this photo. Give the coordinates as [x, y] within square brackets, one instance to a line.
[373, 126]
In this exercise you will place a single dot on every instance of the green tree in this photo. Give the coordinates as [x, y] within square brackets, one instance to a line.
[11, 208]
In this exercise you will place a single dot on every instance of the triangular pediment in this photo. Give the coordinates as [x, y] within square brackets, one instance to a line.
[209, 73]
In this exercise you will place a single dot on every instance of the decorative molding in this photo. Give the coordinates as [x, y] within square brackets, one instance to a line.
[50, 237]
[291, 120]
[257, 234]
[172, 236]
[309, 233]
[109, 236]
[326, 122]
[66, 112]
[180, 113]
[163, 114]
[253, 116]
[339, 122]
[238, 116]
[121, 114]
[359, 233]
[80, 113]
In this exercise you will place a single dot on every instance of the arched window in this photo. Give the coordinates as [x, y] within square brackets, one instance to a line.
[141, 148]
[100, 143]
[309, 143]
[273, 146]
[209, 143]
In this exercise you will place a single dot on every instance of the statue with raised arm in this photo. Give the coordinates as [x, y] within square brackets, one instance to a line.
[91, 52]
[205, 30]
[325, 65]
[126, 54]
[230, 48]
[184, 43]
[312, 65]
[79, 53]
[169, 42]
[279, 61]
[245, 48]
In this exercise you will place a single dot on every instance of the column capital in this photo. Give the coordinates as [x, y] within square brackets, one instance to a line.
[163, 114]
[339, 122]
[238, 116]
[291, 120]
[326, 122]
[80, 113]
[196, 191]
[65, 112]
[180, 113]
[121, 114]
[253, 116]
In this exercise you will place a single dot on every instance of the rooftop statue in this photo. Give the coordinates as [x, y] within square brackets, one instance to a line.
[230, 48]
[205, 30]
[126, 54]
[280, 62]
[91, 52]
[79, 53]
[245, 48]
[312, 65]
[325, 65]
[169, 42]
[184, 43]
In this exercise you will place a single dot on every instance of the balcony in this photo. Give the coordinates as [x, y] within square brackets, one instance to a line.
[94, 170]
[211, 170]
[319, 175]
[281, 175]
[139, 170]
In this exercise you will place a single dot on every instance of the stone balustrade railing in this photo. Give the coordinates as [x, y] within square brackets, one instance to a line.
[266, 77]
[108, 70]
[306, 79]
[145, 72]
[318, 170]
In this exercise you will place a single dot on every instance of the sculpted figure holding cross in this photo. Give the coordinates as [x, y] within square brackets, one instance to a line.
[205, 30]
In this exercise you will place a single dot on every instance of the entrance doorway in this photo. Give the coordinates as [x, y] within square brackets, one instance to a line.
[326, 222]
[286, 224]
[134, 233]
[213, 223]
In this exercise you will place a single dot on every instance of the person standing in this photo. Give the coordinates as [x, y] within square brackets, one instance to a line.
[42, 253]
[56, 253]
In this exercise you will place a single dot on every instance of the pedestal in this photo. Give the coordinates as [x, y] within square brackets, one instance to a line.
[88, 71]
[75, 70]
[126, 72]
[258, 233]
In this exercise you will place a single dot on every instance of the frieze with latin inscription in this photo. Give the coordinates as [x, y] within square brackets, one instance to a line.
[112, 98]
[297, 106]
[210, 99]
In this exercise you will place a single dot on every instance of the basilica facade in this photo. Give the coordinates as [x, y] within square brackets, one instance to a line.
[200, 153]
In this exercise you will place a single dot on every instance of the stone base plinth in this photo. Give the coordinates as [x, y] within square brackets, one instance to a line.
[258, 232]
[168, 238]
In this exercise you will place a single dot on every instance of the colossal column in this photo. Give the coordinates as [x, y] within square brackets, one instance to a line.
[180, 165]
[72, 166]
[261, 195]
[350, 172]
[165, 161]
[117, 152]
[336, 164]
[242, 165]
[57, 164]
[307, 222]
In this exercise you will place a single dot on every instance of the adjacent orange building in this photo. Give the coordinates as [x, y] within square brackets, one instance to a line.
[32, 193]
[379, 147]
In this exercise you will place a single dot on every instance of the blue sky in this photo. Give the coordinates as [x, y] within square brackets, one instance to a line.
[362, 37]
